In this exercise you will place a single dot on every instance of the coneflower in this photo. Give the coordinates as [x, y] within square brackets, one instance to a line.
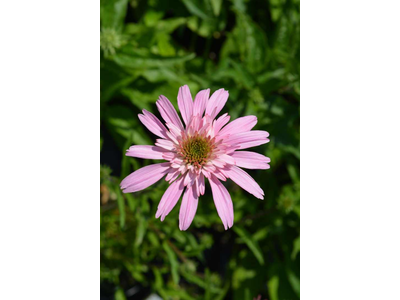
[203, 148]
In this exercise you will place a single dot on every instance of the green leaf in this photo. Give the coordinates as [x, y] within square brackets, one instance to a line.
[296, 248]
[119, 294]
[207, 295]
[260, 234]
[164, 46]
[164, 74]
[201, 27]
[225, 290]
[112, 13]
[112, 79]
[132, 202]
[194, 7]
[192, 278]
[178, 294]
[250, 242]
[239, 5]
[241, 274]
[293, 172]
[136, 98]
[251, 42]
[153, 239]
[151, 18]
[123, 124]
[294, 282]
[140, 230]
[141, 59]
[273, 285]
[169, 25]
[173, 262]
[216, 6]
[242, 75]
[206, 284]
[121, 207]
[158, 282]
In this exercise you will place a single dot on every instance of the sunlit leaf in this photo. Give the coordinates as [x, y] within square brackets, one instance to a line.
[273, 285]
[296, 248]
[119, 295]
[216, 5]
[294, 282]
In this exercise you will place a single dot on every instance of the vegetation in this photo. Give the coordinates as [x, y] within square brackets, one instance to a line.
[250, 48]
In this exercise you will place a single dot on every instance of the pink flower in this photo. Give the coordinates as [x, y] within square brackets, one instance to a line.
[204, 147]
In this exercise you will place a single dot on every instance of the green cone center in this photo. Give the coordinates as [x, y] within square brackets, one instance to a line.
[196, 150]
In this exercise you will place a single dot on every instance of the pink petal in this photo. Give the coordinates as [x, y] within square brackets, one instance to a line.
[153, 124]
[168, 112]
[188, 178]
[219, 175]
[194, 125]
[146, 151]
[172, 138]
[166, 144]
[209, 167]
[200, 102]
[206, 173]
[242, 124]
[222, 201]
[185, 103]
[174, 130]
[218, 163]
[188, 207]
[183, 168]
[169, 155]
[220, 122]
[144, 177]
[245, 181]
[175, 166]
[227, 159]
[248, 139]
[170, 198]
[251, 160]
[202, 186]
[216, 102]
[196, 183]
[172, 175]
[177, 160]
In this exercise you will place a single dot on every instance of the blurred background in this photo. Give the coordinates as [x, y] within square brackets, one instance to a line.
[251, 49]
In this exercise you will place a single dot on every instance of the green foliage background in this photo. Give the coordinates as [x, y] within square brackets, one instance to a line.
[250, 48]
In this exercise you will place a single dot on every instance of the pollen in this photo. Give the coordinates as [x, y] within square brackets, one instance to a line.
[196, 150]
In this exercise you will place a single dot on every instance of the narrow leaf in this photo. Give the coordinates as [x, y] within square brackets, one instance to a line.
[173, 261]
[121, 207]
[250, 242]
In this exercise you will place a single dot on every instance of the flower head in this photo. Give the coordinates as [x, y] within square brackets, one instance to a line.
[203, 148]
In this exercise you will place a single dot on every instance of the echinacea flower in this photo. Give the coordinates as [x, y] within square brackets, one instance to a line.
[203, 148]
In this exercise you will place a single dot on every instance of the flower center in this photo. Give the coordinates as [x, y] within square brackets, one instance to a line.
[196, 150]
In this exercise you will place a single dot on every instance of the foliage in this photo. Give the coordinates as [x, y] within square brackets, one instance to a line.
[250, 48]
